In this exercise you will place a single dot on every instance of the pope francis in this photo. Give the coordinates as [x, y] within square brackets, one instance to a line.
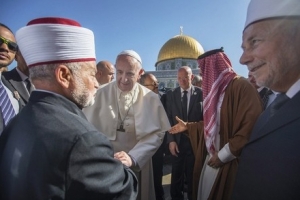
[133, 119]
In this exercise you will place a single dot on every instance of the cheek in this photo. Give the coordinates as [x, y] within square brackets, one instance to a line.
[90, 82]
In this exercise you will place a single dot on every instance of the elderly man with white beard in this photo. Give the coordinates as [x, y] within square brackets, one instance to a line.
[50, 150]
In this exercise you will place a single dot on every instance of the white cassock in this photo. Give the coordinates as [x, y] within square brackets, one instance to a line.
[144, 122]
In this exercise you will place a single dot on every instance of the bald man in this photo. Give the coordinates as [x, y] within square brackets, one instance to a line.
[105, 72]
[184, 101]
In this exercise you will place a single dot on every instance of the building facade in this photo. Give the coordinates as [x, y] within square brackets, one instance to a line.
[181, 50]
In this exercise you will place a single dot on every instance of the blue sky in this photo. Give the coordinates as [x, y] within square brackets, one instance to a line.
[143, 26]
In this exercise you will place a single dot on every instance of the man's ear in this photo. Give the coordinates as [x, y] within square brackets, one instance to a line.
[63, 76]
[192, 77]
[141, 72]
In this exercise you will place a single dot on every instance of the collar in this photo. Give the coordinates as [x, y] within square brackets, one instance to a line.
[131, 92]
[188, 90]
[22, 75]
[294, 89]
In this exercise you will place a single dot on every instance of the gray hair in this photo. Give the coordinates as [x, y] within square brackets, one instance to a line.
[46, 71]
[196, 79]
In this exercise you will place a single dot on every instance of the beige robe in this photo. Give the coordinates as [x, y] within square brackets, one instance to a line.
[144, 124]
[240, 108]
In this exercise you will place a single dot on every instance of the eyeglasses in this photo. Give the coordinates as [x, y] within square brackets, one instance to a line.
[11, 45]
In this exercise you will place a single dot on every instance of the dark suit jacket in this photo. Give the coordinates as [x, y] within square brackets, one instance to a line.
[50, 151]
[16, 81]
[17, 97]
[174, 108]
[270, 163]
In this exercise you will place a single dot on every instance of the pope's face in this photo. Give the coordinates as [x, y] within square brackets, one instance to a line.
[270, 53]
[128, 72]
[85, 85]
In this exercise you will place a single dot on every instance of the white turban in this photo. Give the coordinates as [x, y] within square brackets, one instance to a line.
[55, 40]
[132, 54]
[264, 9]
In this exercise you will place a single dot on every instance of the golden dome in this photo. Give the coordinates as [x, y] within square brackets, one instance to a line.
[180, 46]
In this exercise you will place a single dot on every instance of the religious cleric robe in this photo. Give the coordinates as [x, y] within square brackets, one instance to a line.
[146, 120]
[239, 110]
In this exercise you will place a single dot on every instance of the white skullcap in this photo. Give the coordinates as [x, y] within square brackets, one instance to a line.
[264, 9]
[132, 54]
[55, 40]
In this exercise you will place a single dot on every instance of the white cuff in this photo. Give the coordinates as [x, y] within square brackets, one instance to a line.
[225, 155]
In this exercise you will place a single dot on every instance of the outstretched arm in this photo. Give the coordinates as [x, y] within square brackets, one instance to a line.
[179, 127]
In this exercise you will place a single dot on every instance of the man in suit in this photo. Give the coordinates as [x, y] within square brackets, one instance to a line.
[19, 78]
[180, 145]
[150, 82]
[10, 102]
[269, 164]
[50, 150]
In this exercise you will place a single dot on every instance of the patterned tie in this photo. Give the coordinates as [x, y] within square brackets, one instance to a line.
[184, 105]
[265, 98]
[6, 106]
[277, 103]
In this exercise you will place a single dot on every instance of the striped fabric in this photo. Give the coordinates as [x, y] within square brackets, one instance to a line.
[217, 72]
[6, 106]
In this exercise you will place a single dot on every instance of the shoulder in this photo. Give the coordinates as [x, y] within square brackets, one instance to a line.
[197, 89]
[102, 92]
[9, 74]
[241, 82]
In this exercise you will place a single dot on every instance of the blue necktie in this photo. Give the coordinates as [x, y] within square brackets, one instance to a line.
[6, 106]
[278, 102]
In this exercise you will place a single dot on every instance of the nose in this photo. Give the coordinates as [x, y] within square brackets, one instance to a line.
[4, 46]
[245, 58]
[124, 78]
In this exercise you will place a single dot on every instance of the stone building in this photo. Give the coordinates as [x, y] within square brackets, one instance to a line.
[181, 50]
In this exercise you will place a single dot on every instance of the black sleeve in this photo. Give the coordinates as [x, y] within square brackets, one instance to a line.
[94, 173]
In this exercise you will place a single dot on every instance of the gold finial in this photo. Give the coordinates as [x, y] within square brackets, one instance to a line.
[181, 30]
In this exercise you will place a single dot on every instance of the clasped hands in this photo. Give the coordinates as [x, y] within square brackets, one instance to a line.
[124, 158]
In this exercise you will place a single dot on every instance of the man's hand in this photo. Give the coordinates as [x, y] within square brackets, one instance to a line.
[214, 161]
[124, 158]
[173, 148]
[179, 127]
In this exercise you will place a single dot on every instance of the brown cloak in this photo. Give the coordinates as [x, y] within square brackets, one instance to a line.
[240, 108]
